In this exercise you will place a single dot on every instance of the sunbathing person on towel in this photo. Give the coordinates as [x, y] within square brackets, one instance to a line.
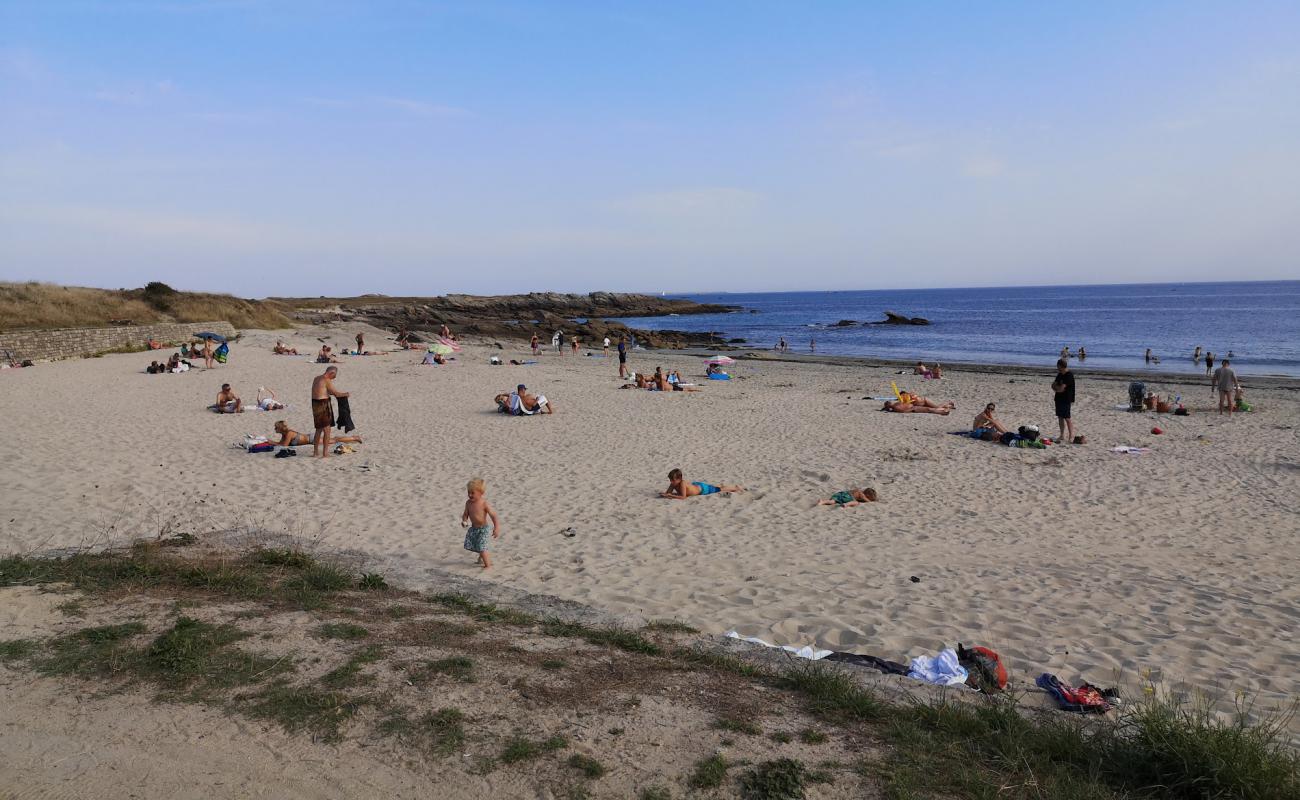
[915, 404]
[530, 403]
[291, 438]
[267, 401]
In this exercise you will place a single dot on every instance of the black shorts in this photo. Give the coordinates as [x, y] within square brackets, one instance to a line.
[622, 358]
[1063, 408]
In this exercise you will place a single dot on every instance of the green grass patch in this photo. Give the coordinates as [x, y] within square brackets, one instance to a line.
[783, 779]
[303, 708]
[812, 736]
[341, 630]
[484, 612]
[782, 737]
[588, 766]
[554, 664]
[833, 693]
[441, 732]
[195, 655]
[734, 725]
[1160, 747]
[709, 773]
[720, 662]
[17, 650]
[103, 651]
[349, 673]
[227, 579]
[654, 793]
[322, 578]
[459, 667]
[519, 749]
[281, 557]
[372, 582]
[618, 638]
[670, 626]
[71, 608]
[445, 730]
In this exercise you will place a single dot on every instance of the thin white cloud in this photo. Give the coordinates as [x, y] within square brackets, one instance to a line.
[420, 108]
[155, 226]
[22, 64]
[901, 150]
[983, 167]
[695, 202]
[136, 95]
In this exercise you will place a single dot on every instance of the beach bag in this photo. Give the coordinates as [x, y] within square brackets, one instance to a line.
[222, 354]
[987, 673]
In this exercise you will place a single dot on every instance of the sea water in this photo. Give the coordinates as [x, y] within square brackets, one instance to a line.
[1258, 323]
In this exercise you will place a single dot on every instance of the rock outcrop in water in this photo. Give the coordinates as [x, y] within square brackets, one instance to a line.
[898, 319]
[516, 316]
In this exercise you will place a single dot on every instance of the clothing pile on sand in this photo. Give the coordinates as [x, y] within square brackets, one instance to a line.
[978, 668]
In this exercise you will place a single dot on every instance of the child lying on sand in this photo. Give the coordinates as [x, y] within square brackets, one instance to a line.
[853, 497]
[678, 489]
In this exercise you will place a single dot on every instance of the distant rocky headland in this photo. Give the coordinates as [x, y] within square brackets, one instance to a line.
[514, 316]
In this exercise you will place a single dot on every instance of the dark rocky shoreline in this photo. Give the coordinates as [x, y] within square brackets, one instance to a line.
[517, 316]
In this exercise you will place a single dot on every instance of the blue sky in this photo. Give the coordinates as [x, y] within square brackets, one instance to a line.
[329, 147]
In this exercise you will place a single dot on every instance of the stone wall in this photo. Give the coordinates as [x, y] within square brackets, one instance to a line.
[48, 345]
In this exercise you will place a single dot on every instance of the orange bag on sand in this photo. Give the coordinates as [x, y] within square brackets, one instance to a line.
[985, 667]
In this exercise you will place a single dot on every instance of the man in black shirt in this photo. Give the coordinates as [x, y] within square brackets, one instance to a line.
[1063, 386]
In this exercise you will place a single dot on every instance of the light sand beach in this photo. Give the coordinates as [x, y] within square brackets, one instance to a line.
[1074, 560]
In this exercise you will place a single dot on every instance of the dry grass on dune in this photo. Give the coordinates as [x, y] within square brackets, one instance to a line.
[46, 305]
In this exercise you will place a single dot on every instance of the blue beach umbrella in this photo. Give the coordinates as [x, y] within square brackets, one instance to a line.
[216, 337]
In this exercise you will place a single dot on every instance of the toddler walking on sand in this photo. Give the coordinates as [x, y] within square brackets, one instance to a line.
[477, 514]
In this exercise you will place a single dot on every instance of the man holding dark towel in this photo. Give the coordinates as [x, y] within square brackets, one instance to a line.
[1063, 387]
[322, 410]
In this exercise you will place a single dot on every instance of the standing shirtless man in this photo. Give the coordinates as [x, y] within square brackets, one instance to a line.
[322, 410]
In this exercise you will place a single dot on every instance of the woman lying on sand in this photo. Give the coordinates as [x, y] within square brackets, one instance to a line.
[678, 489]
[267, 401]
[853, 497]
[915, 404]
[291, 438]
[658, 382]
[281, 350]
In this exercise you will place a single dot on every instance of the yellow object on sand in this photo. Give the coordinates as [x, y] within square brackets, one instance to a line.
[897, 393]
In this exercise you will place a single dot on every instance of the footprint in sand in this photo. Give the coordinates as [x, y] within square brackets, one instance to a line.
[821, 477]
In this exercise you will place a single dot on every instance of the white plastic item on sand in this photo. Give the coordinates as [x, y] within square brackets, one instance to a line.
[942, 670]
[807, 651]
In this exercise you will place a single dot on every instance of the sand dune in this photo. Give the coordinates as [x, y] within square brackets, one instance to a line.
[1073, 560]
